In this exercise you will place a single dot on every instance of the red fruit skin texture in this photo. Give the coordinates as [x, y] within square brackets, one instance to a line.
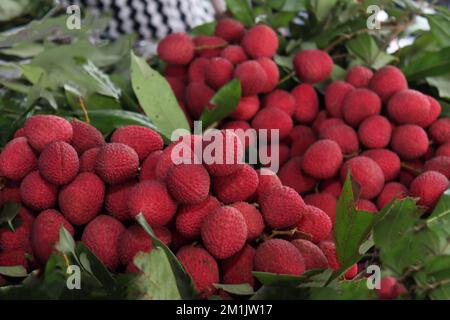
[87, 160]
[174, 71]
[197, 69]
[177, 85]
[314, 223]
[282, 207]
[388, 161]
[85, 136]
[390, 191]
[253, 77]
[45, 233]
[14, 258]
[82, 199]
[267, 180]
[313, 66]
[36, 193]
[149, 165]
[154, 201]
[329, 250]
[334, 97]
[197, 96]
[20, 238]
[429, 186]
[311, 253]
[116, 200]
[246, 108]
[280, 99]
[224, 232]
[42, 130]
[307, 103]
[238, 268]
[302, 137]
[375, 132]
[333, 187]
[409, 107]
[324, 201]
[188, 183]
[236, 187]
[230, 30]
[440, 164]
[352, 272]
[240, 128]
[390, 288]
[387, 81]
[359, 76]
[59, 163]
[279, 256]
[366, 205]
[273, 119]
[143, 140]
[190, 218]
[235, 54]
[344, 135]
[209, 46]
[131, 241]
[260, 41]
[272, 73]
[202, 268]
[367, 174]
[440, 130]
[323, 159]
[102, 236]
[443, 150]
[116, 163]
[218, 72]
[319, 121]
[435, 111]
[17, 159]
[252, 217]
[291, 175]
[409, 141]
[19, 133]
[176, 49]
[360, 104]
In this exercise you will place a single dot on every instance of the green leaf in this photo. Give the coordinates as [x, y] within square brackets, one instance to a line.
[242, 11]
[440, 28]
[439, 220]
[8, 213]
[442, 83]
[322, 8]
[429, 64]
[156, 98]
[225, 101]
[282, 19]
[243, 289]
[269, 278]
[13, 271]
[66, 244]
[206, 29]
[365, 48]
[293, 5]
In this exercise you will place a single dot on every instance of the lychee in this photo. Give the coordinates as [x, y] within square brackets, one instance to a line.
[429, 186]
[246, 108]
[59, 163]
[243, 130]
[218, 72]
[440, 164]
[41, 130]
[366, 205]
[440, 130]
[315, 224]
[409, 107]
[252, 217]
[302, 137]
[116, 200]
[198, 96]
[14, 258]
[85, 136]
[279, 256]
[388, 161]
[344, 135]
[443, 150]
[238, 186]
[360, 104]
[359, 76]
[209, 46]
[435, 111]
[230, 30]
[313, 66]
[390, 288]
[149, 165]
[19, 239]
[235, 54]
[37, 193]
[88, 159]
[392, 190]
[313, 257]
[176, 49]
[267, 180]
[260, 41]
[280, 99]
[409, 141]
[292, 175]
[273, 119]
[322, 159]
[188, 183]
[334, 97]
[197, 69]
[17, 159]
[116, 163]
[387, 81]
[238, 268]
[333, 187]
[375, 132]
[324, 201]
[253, 77]
[272, 73]
[131, 241]
[307, 103]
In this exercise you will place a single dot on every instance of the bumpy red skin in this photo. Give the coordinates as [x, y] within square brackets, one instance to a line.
[202, 268]
[282, 207]
[443, 150]
[102, 236]
[352, 272]
[116, 200]
[154, 201]
[302, 137]
[440, 130]
[375, 132]
[315, 223]
[45, 233]
[85, 136]
[143, 140]
[360, 104]
[359, 76]
[344, 135]
[19, 133]
[188, 183]
[334, 97]
[280, 99]
[236, 187]
[435, 111]
[37, 193]
[366, 205]
[367, 173]
[429, 186]
[333, 187]
[253, 219]
[178, 86]
[235, 54]
[240, 127]
[279, 256]
[224, 232]
[440, 164]
[87, 160]
[409, 141]
[409, 107]
[14, 258]
[133, 240]
[82, 199]
[311, 253]
[253, 77]
[313, 66]
[230, 30]
[10, 192]
[59, 163]
[273, 119]
[176, 49]
[324, 201]
[246, 108]
[218, 72]
[17, 159]
[238, 268]
[149, 165]
[291, 175]
[329, 250]
[320, 120]
[267, 180]
[197, 69]
[116, 163]
[323, 159]
[209, 46]
[388, 161]
[20, 238]
[283, 154]
[390, 191]
[174, 71]
[197, 96]
[307, 103]
[260, 41]
[390, 288]
[44, 129]
[272, 72]
[387, 81]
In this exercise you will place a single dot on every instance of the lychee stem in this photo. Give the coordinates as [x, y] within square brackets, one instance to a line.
[84, 109]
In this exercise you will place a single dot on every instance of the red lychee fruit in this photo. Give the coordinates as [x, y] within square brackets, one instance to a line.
[360, 104]
[359, 76]
[198, 96]
[388, 161]
[253, 219]
[131, 241]
[333, 187]
[176, 49]
[116, 200]
[235, 54]
[17, 159]
[238, 186]
[429, 186]
[351, 272]
[302, 137]
[59, 163]
[230, 30]
[392, 190]
[209, 46]
[280, 99]
[314, 223]
[260, 41]
[224, 232]
[149, 165]
[334, 97]
[267, 180]
[176, 71]
[443, 150]
[19, 239]
[45, 233]
[329, 250]
[307, 103]
[390, 288]
[435, 111]
[218, 72]
[366, 205]
[440, 130]
[19, 133]
[279, 256]
[387, 81]
[324, 201]
[243, 130]
[116, 163]
[322, 159]
[178, 86]
[253, 77]
[85, 136]
[291, 175]
[283, 154]
[14, 258]
[246, 108]
[409, 141]
[42, 130]
[143, 140]
[440, 164]
[37, 193]
[88, 159]
[375, 132]
[273, 119]
[188, 183]
[238, 268]
[409, 107]
[311, 253]
[367, 174]
[272, 73]
[197, 69]
[313, 66]
[344, 135]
